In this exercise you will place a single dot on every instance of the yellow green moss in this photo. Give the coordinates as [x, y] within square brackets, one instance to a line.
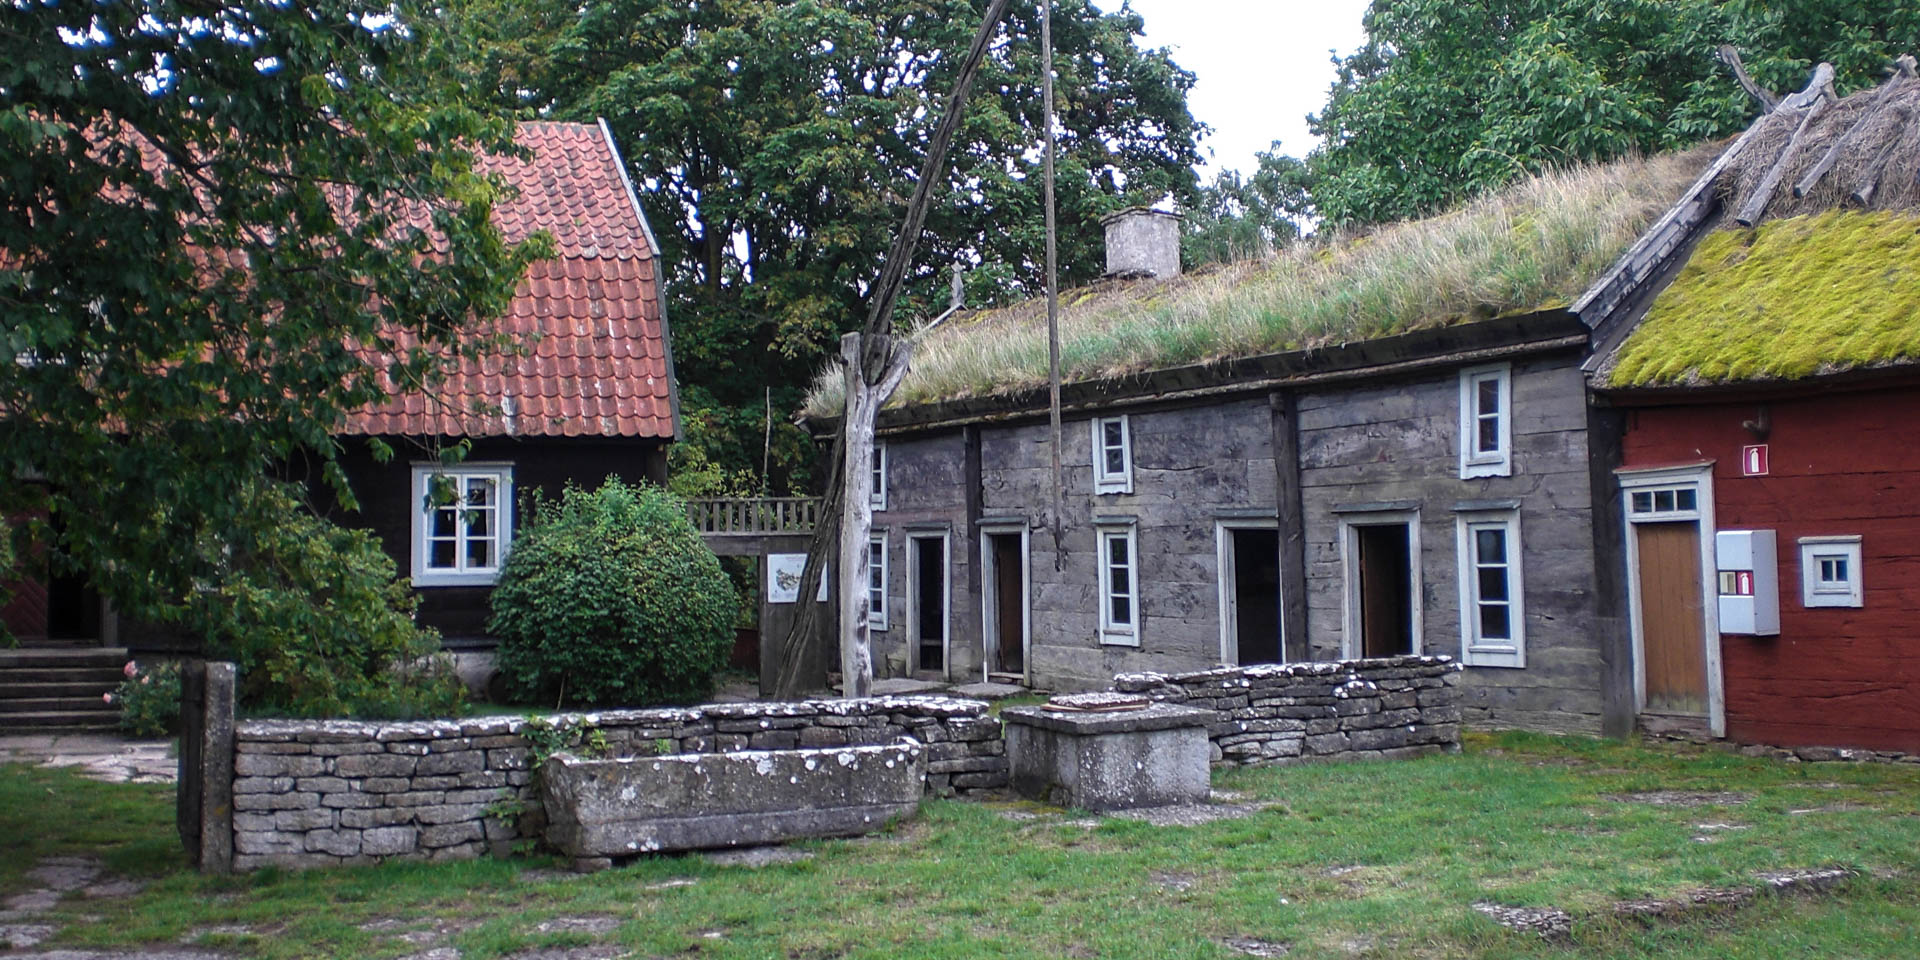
[1789, 299]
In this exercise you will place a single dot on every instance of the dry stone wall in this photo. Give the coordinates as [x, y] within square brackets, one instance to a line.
[322, 793]
[1388, 708]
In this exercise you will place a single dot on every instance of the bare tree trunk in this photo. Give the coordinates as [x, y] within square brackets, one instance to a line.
[856, 517]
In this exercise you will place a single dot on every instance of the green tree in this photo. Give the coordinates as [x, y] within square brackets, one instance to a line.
[1448, 99]
[1239, 218]
[776, 144]
[216, 218]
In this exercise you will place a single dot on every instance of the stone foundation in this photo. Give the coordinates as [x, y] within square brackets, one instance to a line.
[1388, 708]
[321, 793]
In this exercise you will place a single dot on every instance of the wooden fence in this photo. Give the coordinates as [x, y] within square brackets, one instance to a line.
[753, 516]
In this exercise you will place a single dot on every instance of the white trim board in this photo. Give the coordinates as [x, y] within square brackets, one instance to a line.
[1699, 476]
[990, 599]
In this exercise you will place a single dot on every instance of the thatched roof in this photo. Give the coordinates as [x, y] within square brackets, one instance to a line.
[1815, 267]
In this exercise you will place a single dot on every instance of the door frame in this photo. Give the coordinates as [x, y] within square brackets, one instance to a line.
[1351, 647]
[1700, 477]
[913, 599]
[990, 599]
[1223, 558]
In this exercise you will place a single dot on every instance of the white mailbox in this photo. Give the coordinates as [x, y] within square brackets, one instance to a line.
[1749, 566]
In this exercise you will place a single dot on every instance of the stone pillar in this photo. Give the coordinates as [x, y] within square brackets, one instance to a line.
[1150, 757]
[205, 791]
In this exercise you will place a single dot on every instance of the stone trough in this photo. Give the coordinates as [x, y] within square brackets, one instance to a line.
[599, 810]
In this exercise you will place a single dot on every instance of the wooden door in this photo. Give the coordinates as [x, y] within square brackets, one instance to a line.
[1671, 618]
[1009, 601]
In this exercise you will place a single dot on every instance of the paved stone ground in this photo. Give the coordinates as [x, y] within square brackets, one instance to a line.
[104, 757]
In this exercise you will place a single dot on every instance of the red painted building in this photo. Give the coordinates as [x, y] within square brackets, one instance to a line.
[1838, 465]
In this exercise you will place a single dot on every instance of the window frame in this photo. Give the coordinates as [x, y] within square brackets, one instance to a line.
[1104, 481]
[461, 575]
[1111, 633]
[1475, 649]
[1473, 461]
[877, 612]
[877, 497]
[1813, 594]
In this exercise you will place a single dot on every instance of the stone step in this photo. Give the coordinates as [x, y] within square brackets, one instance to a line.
[45, 657]
[105, 678]
[58, 720]
[82, 704]
[12, 689]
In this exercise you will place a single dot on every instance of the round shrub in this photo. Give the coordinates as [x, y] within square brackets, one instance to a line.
[609, 598]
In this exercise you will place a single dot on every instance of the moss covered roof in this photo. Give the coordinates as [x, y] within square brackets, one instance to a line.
[1789, 299]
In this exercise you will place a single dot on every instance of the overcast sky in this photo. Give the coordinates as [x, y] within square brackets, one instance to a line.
[1260, 65]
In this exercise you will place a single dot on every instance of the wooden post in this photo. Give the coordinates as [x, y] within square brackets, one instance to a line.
[856, 516]
[1292, 522]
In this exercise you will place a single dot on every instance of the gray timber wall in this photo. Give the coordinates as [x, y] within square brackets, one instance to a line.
[1399, 443]
[312, 793]
[926, 496]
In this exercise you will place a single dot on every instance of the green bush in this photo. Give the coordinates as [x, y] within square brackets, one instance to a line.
[610, 597]
[149, 699]
[316, 622]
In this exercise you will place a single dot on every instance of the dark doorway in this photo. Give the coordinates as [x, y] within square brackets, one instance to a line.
[1256, 595]
[73, 609]
[930, 600]
[1386, 589]
[1009, 603]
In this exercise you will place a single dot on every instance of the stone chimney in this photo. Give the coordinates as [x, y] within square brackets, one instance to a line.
[1142, 242]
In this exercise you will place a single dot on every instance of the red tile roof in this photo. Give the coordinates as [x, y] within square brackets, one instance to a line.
[596, 361]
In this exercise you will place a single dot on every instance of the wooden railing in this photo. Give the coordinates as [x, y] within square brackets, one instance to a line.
[753, 516]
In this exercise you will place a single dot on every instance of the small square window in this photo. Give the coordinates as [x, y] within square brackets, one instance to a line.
[1486, 422]
[1830, 572]
[1112, 455]
[463, 524]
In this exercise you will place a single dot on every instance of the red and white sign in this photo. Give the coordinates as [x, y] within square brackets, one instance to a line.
[1753, 460]
[1743, 583]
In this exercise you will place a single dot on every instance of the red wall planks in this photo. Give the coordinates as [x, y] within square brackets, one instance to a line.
[1840, 464]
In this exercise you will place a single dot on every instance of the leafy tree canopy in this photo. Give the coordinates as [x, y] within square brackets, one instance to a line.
[1243, 217]
[1447, 99]
[776, 144]
[212, 213]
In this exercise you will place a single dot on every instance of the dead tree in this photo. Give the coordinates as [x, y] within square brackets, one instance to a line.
[876, 362]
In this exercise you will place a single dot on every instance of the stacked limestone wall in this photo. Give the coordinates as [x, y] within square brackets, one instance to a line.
[320, 793]
[1387, 708]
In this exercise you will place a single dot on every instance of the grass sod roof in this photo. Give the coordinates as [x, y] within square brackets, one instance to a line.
[1789, 299]
[1531, 246]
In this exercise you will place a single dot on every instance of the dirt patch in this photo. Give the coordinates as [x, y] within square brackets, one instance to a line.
[33, 901]
[21, 936]
[1173, 881]
[1694, 901]
[595, 952]
[593, 924]
[1682, 798]
[1256, 947]
[65, 873]
[1188, 814]
[756, 856]
[115, 888]
[437, 953]
[1548, 923]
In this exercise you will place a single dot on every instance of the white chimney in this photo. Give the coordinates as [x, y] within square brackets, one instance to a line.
[1142, 242]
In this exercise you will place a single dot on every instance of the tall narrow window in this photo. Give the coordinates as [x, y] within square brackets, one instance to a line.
[1486, 422]
[1492, 612]
[1119, 585]
[1112, 456]
[878, 498]
[877, 582]
[462, 524]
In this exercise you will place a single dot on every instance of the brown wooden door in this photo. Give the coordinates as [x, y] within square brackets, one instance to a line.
[1010, 627]
[1671, 627]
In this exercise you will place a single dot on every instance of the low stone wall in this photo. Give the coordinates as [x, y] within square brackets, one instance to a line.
[320, 793]
[1390, 707]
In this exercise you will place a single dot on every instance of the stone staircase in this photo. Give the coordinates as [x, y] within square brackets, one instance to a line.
[58, 688]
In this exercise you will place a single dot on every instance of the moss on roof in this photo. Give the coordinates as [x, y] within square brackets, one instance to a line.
[1536, 244]
[1789, 299]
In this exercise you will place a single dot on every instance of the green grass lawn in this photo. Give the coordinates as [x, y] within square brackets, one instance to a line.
[1380, 860]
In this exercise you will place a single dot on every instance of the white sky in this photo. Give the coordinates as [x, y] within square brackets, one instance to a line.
[1260, 67]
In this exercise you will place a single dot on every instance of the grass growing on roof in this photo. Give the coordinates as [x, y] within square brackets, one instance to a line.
[1345, 860]
[1537, 243]
[1789, 299]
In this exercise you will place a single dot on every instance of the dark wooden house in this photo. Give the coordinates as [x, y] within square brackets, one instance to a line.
[591, 395]
[1363, 449]
[1762, 380]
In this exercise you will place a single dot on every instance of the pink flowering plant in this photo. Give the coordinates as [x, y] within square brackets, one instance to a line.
[149, 699]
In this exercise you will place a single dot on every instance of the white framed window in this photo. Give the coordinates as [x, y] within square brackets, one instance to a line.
[877, 582]
[1112, 455]
[462, 523]
[1492, 596]
[1486, 421]
[878, 498]
[1830, 572]
[1119, 584]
